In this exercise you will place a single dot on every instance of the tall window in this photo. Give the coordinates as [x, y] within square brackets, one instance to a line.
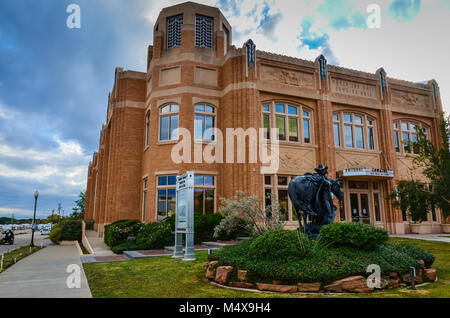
[226, 39]
[174, 31]
[278, 186]
[204, 194]
[293, 122]
[144, 199]
[166, 190]
[406, 134]
[204, 28]
[147, 129]
[354, 131]
[204, 122]
[168, 122]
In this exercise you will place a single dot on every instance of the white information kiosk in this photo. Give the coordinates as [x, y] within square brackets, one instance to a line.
[184, 217]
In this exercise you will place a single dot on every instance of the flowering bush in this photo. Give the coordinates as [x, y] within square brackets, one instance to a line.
[156, 235]
[119, 232]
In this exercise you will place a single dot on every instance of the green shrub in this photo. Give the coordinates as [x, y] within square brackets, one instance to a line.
[354, 235]
[55, 233]
[204, 226]
[277, 245]
[323, 265]
[119, 231]
[71, 230]
[156, 235]
[230, 227]
[416, 253]
[128, 246]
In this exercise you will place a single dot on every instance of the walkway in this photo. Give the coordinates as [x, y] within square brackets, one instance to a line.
[43, 275]
[98, 245]
[425, 237]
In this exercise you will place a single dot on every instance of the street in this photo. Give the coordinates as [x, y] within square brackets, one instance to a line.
[22, 240]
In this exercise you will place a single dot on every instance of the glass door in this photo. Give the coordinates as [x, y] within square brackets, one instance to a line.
[359, 203]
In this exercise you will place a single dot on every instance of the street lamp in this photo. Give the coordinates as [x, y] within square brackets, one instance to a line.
[36, 195]
[53, 211]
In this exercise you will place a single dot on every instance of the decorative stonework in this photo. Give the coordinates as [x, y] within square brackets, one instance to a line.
[170, 76]
[287, 77]
[342, 86]
[295, 161]
[410, 99]
[347, 160]
[205, 76]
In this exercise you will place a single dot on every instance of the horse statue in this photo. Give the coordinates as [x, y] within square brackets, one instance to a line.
[313, 195]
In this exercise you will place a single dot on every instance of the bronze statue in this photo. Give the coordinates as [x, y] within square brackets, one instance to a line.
[312, 194]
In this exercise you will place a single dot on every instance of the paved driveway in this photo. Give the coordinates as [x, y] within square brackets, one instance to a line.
[44, 275]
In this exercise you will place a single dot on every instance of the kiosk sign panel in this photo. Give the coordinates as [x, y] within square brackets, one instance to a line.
[184, 216]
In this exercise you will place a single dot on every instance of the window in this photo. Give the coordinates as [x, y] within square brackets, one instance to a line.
[293, 122]
[204, 122]
[166, 191]
[204, 194]
[408, 132]
[144, 199]
[147, 129]
[174, 31]
[354, 131]
[168, 122]
[278, 186]
[204, 28]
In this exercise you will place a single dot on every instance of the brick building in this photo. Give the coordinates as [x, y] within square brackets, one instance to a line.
[356, 123]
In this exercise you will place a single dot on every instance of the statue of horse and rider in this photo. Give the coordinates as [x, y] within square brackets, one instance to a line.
[313, 195]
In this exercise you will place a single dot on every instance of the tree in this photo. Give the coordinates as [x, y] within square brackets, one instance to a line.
[78, 210]
[412, 197]
[435, 161]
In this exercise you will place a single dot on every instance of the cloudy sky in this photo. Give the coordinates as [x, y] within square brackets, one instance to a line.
[54, 81]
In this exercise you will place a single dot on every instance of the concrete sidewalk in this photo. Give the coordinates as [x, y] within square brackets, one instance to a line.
[43, 275]
[98, 245]
[425, 237]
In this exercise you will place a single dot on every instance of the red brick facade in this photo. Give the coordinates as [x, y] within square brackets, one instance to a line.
[189, 75]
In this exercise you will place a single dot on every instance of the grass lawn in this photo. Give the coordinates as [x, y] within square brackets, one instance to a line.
[17, 255]
[164, 277]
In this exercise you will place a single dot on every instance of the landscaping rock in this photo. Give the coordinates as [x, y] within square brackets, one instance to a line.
[394, 283]
[277, 282]
[241, 285]
[243, 276]
[211, 270]
[354, 284]
[205, 266]
[277, 288]
[223, 274]
[407, 277]
[313, 287]
[430, 274]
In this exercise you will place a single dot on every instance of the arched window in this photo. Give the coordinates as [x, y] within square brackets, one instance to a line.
[353, 130]
[294, 122]
[406, 134]
[168, 122]
[204, 122]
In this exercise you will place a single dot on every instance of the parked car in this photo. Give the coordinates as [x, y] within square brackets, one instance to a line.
[45, 231]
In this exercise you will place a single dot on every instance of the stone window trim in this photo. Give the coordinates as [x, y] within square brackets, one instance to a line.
[144, 197]
[301, 117]
[163, 113]
[205, 113]
[368, 124]
[400, 130]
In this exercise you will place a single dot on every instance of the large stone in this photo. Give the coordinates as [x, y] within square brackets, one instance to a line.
[354, 284]
[393, 275]
[223, 274]
[205, 266]
[211, 270]
[304, 287]
[243, 276]
[418, 280]
[393, 283]
[277, 288]
[430, 274]
[241, 285]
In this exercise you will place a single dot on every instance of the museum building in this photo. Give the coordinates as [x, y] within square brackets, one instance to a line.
[358, 124]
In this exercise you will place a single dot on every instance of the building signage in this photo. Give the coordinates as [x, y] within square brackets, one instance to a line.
[184, 217]
[368, 173]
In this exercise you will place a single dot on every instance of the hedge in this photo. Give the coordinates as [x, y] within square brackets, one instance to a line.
[67, 230]
[118, 232]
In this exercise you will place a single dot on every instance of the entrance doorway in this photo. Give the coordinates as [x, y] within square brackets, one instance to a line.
[359, 203]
